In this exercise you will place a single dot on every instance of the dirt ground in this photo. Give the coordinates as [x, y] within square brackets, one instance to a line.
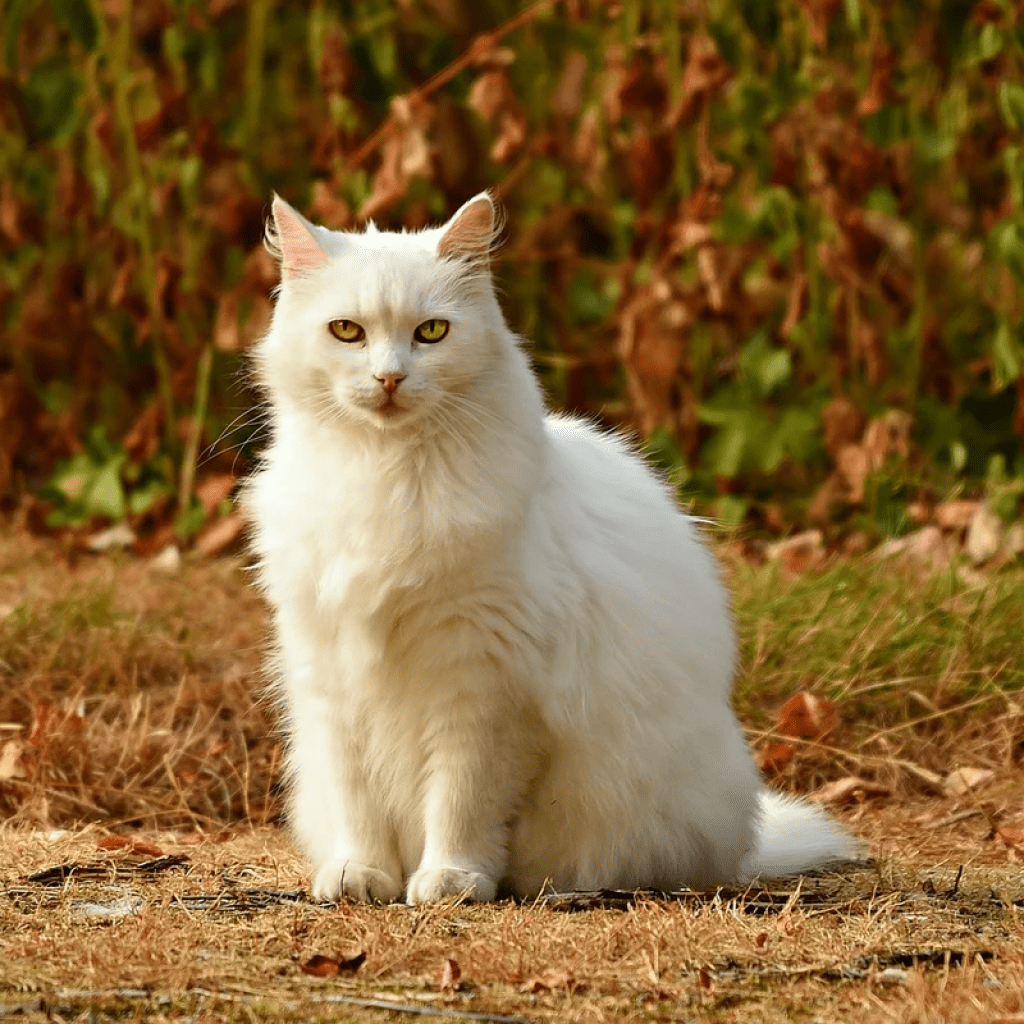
[144, 873]
[176, 927]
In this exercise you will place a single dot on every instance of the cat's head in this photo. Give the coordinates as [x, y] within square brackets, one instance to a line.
[381, 329]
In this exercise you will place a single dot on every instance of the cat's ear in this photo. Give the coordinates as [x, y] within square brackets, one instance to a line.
[292, 239]
[469, 235]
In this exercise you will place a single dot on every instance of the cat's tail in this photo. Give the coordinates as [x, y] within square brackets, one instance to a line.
[794, 836]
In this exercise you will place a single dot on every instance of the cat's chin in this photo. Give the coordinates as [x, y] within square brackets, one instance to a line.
[389, 415]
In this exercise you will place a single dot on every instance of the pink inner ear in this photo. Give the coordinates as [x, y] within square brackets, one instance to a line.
[300, 252]
[470, 234]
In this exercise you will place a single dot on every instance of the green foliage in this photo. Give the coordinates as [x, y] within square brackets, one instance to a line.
[780, 204]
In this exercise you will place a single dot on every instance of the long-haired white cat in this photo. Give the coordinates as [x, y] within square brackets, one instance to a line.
[503, 653]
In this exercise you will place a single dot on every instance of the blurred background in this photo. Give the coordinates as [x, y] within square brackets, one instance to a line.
[783, 243]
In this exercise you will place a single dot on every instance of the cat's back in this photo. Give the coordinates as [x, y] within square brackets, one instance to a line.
[607, 485]
[648, 581]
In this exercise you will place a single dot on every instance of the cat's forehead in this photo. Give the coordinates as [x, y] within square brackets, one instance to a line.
[379, 272]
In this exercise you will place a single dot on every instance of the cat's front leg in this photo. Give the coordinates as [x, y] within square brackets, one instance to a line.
[481, 757]
[344, 832]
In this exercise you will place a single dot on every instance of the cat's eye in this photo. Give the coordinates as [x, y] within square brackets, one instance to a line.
[431, 330]
[346, 330]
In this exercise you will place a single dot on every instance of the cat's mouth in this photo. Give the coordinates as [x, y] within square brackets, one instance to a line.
[389, 409]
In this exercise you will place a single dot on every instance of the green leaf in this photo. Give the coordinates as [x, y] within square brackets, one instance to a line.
[51, 92]
[1011, 104]
[76, 17]
[853, 15]
[142, 498]
[663, 450]
[13, 16]
[730, 510]
[587, 301]
[990, 42]
[724, 452]
[189, 522]
[1006, 357]
[1013, 164]
[1008, 240]
[71, 478]
[887, 126]
[764, 368]
[105, 495]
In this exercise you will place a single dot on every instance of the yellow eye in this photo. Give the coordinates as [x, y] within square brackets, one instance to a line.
[346, 330]
[431, 330]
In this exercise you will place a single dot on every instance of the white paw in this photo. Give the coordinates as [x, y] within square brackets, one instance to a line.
[339, 878]
[430, 885]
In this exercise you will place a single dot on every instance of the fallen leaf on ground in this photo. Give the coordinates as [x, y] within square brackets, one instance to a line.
[984, 535]
[10, 760]
[548, 982]
[775, 756]
[1011, 836]
[220, 535]
[851, 787]
[799, 553]
[955, 515]
[319, 966]
[961, 780]
[122, 844]
[926, 545]
[806, 716]
[214, 489]
[121, 535]
[451, 972]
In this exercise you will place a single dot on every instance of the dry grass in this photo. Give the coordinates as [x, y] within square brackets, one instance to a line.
[837, 947]
[131, 703]
[135, 697]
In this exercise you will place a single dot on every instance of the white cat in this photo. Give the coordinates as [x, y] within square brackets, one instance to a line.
[503, 653]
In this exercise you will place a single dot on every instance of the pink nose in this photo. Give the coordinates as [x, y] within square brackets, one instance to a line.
[390, 381]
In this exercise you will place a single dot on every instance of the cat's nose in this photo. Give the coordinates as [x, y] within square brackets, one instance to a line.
[390, 381]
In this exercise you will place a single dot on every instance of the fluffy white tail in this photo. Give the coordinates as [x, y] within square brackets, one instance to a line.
[795, 836]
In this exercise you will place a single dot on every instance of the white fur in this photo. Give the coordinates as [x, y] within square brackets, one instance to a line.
[503, 653]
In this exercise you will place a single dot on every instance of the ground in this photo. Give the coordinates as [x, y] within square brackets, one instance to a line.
[145, 875]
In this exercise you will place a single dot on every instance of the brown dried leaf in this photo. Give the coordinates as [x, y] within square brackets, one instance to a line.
[490, 93]
[329, 209]
[853, 466]
[221, 535]
[568, 97]
[775, 756]
[451, 972]
[335, 69]
[955, 515]
[807, 716]
[123, 844]
[511, 136]
[10, 760]
[843, 424]
[319, 966]
[888, 436]
[800, 552]
[1011, 836]
[214, 489]
[962, 780]
[549, 982]
[707, 267]
[653, 330]
[847, 789]
[10, 214]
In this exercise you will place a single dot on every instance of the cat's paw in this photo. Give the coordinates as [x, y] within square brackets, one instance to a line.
[338, 878]
[430, 885]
